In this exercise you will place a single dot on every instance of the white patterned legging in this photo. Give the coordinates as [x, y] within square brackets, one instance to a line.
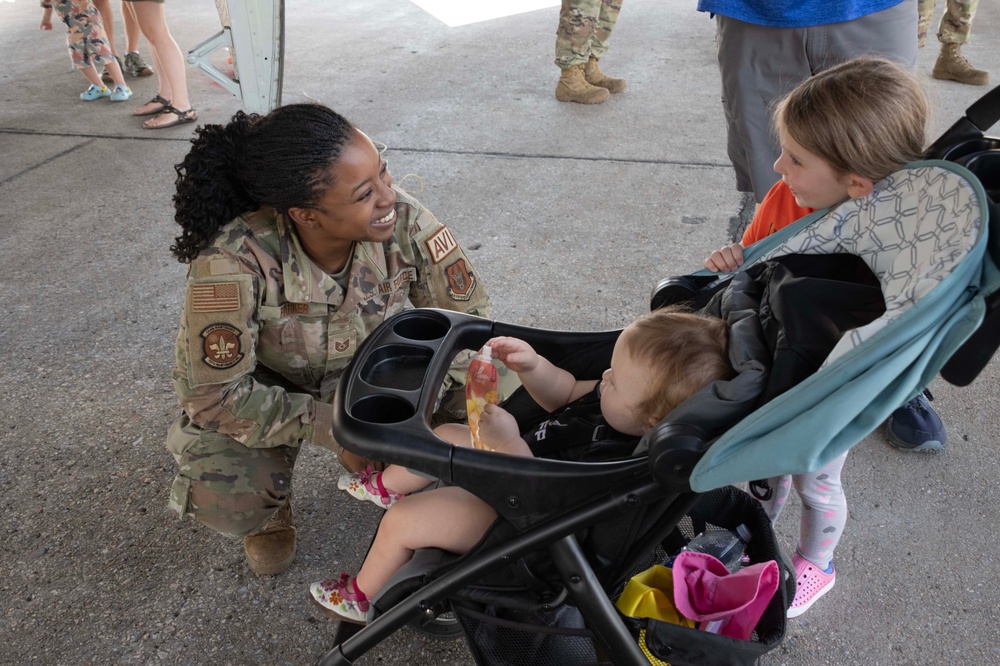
[824, 509]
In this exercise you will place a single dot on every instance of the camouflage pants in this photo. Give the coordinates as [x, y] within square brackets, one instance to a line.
[584, 29]
[956, 23]
[88, 45]
[227, 486]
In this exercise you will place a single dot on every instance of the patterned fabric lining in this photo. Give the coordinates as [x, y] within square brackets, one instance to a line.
[914, 229]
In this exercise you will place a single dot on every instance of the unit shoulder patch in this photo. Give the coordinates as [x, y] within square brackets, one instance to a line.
[221, 346]
[461, 281]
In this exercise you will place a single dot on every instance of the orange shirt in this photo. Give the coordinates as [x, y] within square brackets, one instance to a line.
[776, 211]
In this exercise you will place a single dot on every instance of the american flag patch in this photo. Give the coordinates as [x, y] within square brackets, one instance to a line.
[215, 297]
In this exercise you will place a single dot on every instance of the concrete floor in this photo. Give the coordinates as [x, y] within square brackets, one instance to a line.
[574, 213]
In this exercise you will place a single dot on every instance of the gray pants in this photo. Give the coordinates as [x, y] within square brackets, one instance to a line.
[761, 64]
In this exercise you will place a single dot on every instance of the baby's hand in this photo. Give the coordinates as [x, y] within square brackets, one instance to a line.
[725, 260]
[46, 24]
[514, 353]
[497, 426]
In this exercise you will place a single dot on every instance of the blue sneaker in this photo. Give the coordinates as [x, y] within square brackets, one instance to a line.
[121, 93]
[93, 92]
[916, 426]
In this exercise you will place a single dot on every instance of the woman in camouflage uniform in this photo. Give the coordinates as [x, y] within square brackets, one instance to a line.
[298, 247]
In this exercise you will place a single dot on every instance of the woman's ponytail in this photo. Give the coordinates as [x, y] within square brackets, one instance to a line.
[209, 190]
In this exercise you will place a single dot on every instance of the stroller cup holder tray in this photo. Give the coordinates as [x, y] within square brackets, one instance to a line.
[387, 395]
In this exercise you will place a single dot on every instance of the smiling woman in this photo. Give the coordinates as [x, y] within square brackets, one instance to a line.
[298, 247]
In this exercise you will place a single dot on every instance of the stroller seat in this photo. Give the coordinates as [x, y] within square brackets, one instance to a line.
[920, 245]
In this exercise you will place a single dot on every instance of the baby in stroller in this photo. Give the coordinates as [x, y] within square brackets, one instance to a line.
[658, 362]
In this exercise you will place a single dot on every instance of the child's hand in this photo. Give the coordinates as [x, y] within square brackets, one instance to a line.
[46, 24]
[514, 353]
[725, 260]
[497, 427]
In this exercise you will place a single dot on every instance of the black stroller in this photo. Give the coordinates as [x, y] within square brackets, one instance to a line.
[903, 288]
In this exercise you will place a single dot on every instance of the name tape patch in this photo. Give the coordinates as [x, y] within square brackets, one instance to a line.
[441, 244]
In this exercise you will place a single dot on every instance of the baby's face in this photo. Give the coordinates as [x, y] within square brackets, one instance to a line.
[623, 388]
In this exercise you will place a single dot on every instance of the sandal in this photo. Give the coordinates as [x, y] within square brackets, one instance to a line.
[156, 100]
[182, 118]
[336, 601]
[367, 486]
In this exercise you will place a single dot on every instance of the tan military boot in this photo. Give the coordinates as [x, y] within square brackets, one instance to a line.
[951, 65]
[271, 550]
[573, 87]
[596, 77]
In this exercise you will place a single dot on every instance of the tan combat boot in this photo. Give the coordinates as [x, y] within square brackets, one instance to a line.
[573, 87]
[271, 550]
[951, 65]
[596, 77]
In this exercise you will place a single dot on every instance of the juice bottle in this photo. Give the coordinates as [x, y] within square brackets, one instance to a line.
[480, 389]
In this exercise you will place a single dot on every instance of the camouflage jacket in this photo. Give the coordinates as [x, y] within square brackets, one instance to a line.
[265, 334]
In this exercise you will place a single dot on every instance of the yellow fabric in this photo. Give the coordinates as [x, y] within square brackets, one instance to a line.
[650, 594]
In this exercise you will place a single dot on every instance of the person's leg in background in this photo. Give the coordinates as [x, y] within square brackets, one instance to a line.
[758, 65]
[577, 23]
[169, 59]
[954, 30]
[108, 18]
[134, 63]
[606, 20]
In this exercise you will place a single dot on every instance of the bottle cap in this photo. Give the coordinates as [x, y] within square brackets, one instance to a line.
[486, 352]
[744, 533]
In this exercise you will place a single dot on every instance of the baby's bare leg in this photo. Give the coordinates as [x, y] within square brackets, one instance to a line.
[398, 479]
[449, 518]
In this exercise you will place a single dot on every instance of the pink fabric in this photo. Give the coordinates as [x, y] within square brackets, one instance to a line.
[704, 590]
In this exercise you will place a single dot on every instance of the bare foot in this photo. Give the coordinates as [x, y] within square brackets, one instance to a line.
[153, 106]
[170, 118]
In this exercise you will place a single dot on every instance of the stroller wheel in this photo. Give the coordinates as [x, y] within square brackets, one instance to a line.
[444, 626]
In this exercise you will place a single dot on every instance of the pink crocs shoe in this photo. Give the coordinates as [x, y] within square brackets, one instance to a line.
[811, 583]
[335, 600]
[367, 486]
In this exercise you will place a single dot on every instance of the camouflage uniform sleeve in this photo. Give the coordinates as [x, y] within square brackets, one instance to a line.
[217, 362]
[445, 277]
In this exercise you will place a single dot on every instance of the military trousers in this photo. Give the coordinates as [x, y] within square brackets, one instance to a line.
[956, 22]
[227, 486]
[584, 29]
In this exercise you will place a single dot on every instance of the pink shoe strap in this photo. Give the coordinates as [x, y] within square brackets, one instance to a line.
[357, 595]
[374, 485]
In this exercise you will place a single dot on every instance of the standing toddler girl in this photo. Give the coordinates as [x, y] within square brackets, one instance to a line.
[842, 132]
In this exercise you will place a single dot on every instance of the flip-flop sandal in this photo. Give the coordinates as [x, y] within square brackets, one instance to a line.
[183, 117]
[156, 100]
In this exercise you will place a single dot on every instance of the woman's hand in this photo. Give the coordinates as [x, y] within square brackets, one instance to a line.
[497, 426]
[514, 353]
[726, 259]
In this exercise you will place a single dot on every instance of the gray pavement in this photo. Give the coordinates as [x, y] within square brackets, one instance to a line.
[572, 214]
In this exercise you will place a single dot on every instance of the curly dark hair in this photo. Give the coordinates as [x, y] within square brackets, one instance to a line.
[279, 160]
